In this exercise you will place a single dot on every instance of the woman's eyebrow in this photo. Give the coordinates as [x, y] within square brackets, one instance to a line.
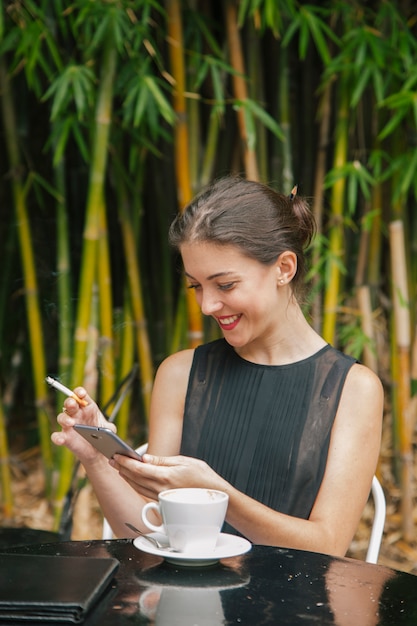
[217, 275]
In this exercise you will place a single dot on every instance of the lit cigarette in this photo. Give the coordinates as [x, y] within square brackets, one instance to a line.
[68, 392]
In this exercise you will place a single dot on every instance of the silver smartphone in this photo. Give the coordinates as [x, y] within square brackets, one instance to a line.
[106, 441]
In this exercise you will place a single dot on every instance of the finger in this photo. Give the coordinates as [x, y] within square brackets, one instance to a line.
[58, 438]
[82, 394]
[165, 461]
[158, 460]
[70, 406]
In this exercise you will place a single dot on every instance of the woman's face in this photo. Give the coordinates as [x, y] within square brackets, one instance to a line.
[240, 293]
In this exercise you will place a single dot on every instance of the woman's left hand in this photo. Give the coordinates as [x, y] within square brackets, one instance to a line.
[159, 473]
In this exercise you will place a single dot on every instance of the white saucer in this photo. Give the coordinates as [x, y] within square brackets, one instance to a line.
[227, 546]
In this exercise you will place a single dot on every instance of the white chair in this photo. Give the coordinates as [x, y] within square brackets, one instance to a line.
[378, 521]
[377, 529]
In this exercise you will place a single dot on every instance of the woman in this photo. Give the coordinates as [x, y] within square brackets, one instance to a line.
[285, 424]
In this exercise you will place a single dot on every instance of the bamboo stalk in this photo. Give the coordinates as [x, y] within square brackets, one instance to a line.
[90, 247]
[5, 474]
[135, 283]
[320, 171]
[364, 301]
[257, 93]
[210, 149]
[375, 238]
[240, 87]
[34, 319]
[93, 209]
[285, 122]
[336, 236]
[402, 333]
[127, 355]
[63, 280]
[107, 360]
[181, 144]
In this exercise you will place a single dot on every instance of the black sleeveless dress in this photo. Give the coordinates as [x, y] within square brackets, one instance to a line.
[265, 429]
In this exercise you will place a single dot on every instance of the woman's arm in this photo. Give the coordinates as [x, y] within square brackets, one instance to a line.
[119, 502]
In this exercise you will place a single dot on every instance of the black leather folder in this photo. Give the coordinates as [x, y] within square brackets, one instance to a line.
[61, 589]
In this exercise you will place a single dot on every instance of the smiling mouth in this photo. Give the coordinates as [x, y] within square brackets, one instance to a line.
[228, 323]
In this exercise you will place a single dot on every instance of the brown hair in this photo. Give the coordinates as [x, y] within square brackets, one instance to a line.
[261, 222]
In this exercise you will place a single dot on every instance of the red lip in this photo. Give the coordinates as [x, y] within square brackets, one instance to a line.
[229, 326]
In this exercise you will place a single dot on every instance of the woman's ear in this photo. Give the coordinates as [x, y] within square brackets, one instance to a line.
[286, 267]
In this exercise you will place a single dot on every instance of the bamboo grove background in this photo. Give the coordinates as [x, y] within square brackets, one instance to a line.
[114, 113]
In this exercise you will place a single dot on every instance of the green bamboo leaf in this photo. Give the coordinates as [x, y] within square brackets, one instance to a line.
[393, 123]
[365, 180]
[202, 71]
[80, 141]
[58, 90]
[379, 161]
[352, 194]
[377, 45]
[165, 108]
[407, 176]
[304, 40]
[218, 90]
[290, 31]
[101, 33]
[379, 88]
[75, 83]
[316, 27]
[141, 106]
[61, 132]
[368, 219]
[44, 183]
[363, 80]
[264, 117]
[208, 34]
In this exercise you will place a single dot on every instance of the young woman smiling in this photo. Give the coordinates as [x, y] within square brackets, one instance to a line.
[283, 422]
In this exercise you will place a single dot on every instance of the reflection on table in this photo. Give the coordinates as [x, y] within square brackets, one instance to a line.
[265, 586]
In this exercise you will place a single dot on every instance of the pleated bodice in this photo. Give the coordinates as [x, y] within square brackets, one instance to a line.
[265, 429]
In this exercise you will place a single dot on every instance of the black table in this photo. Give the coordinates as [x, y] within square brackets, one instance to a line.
[265, 586]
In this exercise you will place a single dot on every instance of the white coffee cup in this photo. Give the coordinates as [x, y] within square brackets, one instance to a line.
[192, 517]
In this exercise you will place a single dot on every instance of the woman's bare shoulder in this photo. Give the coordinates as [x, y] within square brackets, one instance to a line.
[363, 396]
[178, 361]
[364, 380]
[175, 368]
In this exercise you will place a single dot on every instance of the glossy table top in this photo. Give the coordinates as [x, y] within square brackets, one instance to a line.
[265, 586]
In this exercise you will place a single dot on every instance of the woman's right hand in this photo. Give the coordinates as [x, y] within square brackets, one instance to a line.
[73, 413]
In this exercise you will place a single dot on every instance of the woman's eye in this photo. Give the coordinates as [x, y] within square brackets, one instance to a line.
[227, 286]
[193, 286]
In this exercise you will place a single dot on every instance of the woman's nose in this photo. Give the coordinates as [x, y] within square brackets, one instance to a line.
[210, 304]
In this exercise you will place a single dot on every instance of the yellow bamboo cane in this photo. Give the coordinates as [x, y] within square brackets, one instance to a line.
[127, 342]
[402, 332]
[90, 248]
[28, 265]
[239, 86]
[319, 175]
[107, 361]
[182, 161]
[143, 345]
[365, 307]
[63, 282]
[336, 237]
